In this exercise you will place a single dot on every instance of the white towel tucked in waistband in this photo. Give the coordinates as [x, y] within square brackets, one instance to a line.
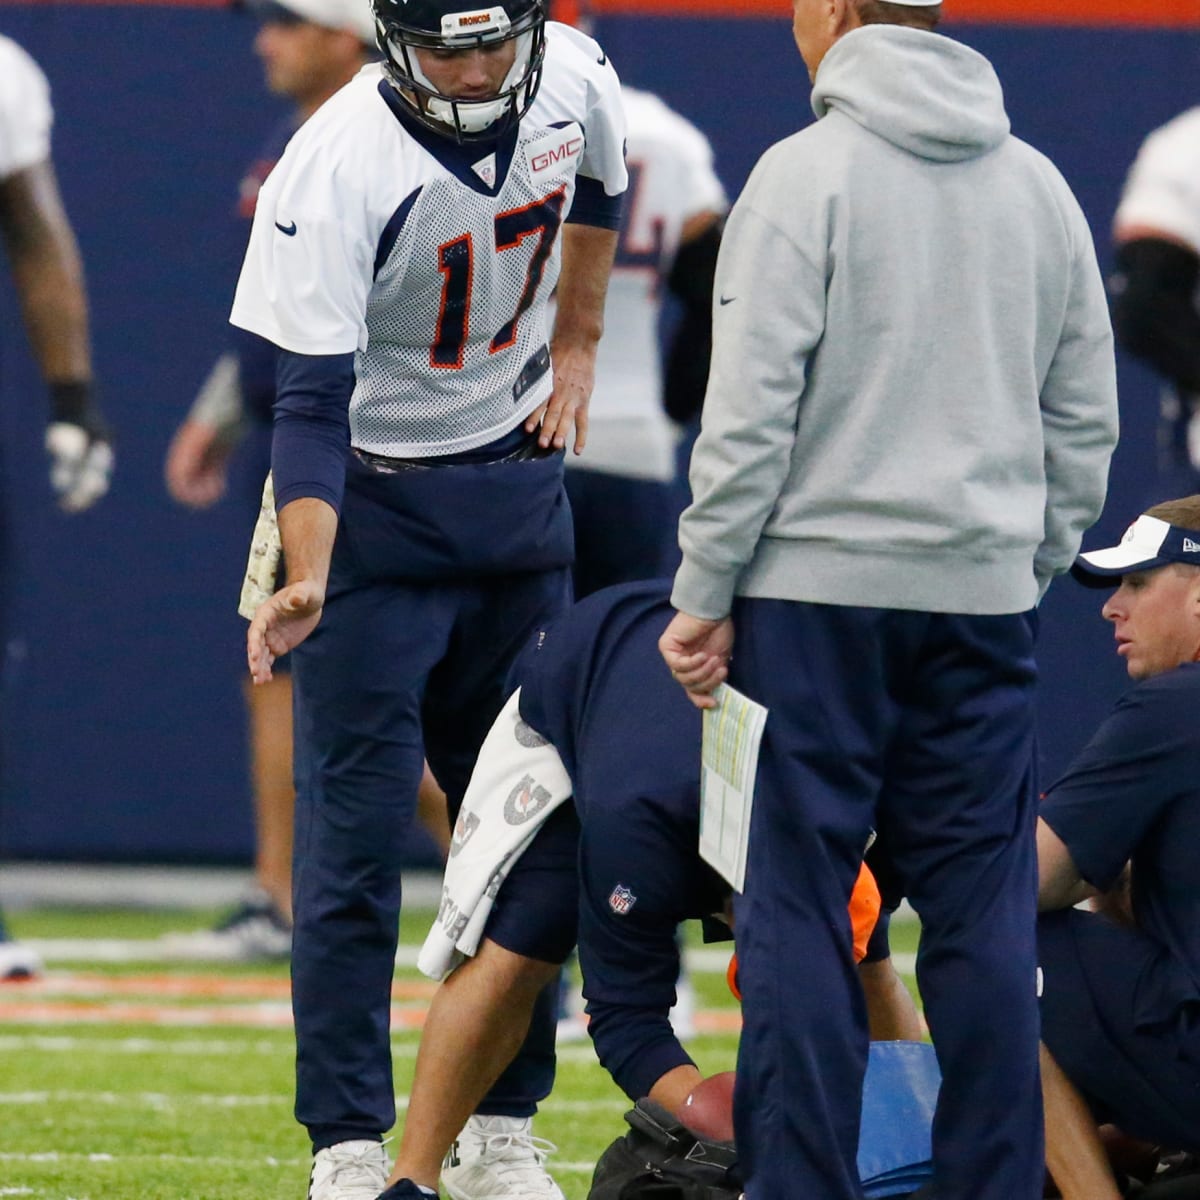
[518, 781]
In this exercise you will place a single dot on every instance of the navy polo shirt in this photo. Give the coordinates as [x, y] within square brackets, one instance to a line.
[1133, 794]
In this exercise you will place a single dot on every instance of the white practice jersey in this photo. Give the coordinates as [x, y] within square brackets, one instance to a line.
[1163, 188]
[431, 262]
[671, 180]
[25, 112]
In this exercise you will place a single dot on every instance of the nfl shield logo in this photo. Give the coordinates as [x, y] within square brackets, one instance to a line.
[621, 900]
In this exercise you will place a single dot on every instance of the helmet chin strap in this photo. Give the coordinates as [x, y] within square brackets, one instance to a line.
[471, 116]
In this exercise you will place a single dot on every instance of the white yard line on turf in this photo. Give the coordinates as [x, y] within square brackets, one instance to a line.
[163, 1101]
[701, 959]
[58, 1156]
[155, 1100]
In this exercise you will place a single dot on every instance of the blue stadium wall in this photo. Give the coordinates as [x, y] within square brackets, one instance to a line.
[122, 718]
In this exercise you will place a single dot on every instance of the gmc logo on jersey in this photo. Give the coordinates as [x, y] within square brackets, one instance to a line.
[546, 159]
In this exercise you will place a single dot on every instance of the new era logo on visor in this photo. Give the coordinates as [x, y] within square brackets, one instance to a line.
[1190, 547]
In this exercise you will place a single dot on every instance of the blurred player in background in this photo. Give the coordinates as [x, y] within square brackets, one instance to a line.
[621, 491]
[45, 265]
[402, 254]
[1155, 314]
[309, 49]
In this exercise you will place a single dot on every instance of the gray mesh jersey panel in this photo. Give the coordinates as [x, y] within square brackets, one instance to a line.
[406, 402]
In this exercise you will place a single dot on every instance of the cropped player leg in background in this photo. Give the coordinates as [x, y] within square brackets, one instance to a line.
[17, 961]
[892, 1013]
[198, 470]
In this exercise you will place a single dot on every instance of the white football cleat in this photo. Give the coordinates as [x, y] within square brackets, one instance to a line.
[17, 962]
[256, 931]
[498, 1158]
[349, 1171]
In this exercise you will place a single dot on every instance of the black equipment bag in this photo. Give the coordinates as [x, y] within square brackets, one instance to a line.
[661, 1159]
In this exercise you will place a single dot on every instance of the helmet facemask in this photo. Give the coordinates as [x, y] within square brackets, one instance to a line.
[464, 119]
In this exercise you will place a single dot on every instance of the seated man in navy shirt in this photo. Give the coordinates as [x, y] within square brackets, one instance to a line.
[1120, 1000]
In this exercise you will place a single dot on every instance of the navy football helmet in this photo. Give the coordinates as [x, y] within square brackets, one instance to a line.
[405, 26]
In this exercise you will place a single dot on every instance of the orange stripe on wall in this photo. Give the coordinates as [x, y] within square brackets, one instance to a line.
[1149, 14]
[115, 3]
[1172, 14]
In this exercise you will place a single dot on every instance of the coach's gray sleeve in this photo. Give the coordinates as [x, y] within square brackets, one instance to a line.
[768, 316]
[1079, 413]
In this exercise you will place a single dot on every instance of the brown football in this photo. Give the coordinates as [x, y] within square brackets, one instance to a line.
[708, 1110]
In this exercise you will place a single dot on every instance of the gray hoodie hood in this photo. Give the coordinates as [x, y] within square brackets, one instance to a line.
[925, 93]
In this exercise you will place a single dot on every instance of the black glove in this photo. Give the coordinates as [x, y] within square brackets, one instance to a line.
[79, 443]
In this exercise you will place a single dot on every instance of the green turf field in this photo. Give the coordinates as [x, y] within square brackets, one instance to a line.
[147, 1080]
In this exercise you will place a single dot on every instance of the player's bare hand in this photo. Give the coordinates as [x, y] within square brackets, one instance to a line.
[698, 652]
[197, 464]
[280, 624]
[567, 408]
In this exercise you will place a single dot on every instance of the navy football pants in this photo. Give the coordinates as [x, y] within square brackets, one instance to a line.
[1145, 1080]
[394, 672]
[929, 719]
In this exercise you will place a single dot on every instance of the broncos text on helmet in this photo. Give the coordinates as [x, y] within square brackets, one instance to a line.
[445, 26]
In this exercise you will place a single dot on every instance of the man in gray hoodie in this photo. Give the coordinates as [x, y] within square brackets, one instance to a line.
[909, 419]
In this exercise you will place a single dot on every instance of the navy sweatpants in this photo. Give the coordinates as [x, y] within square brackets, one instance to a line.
[399, 670]
[923, 723]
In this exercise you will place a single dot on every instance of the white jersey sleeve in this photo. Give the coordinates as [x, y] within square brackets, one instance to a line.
[25, 112]
[579, 77]
[672, 180]
[1163, 189]
[308, 265]
[700, 190]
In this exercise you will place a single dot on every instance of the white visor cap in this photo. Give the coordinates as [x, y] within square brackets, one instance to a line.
[1148, 544]
[355, 16]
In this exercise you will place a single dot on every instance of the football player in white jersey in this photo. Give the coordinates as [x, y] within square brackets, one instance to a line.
[620, 491]
[1155, 310]
[401, 257]
[48, 275]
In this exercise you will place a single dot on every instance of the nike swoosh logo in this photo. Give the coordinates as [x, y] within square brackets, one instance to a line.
[602, 59]
[286, 230]
[724, 300]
